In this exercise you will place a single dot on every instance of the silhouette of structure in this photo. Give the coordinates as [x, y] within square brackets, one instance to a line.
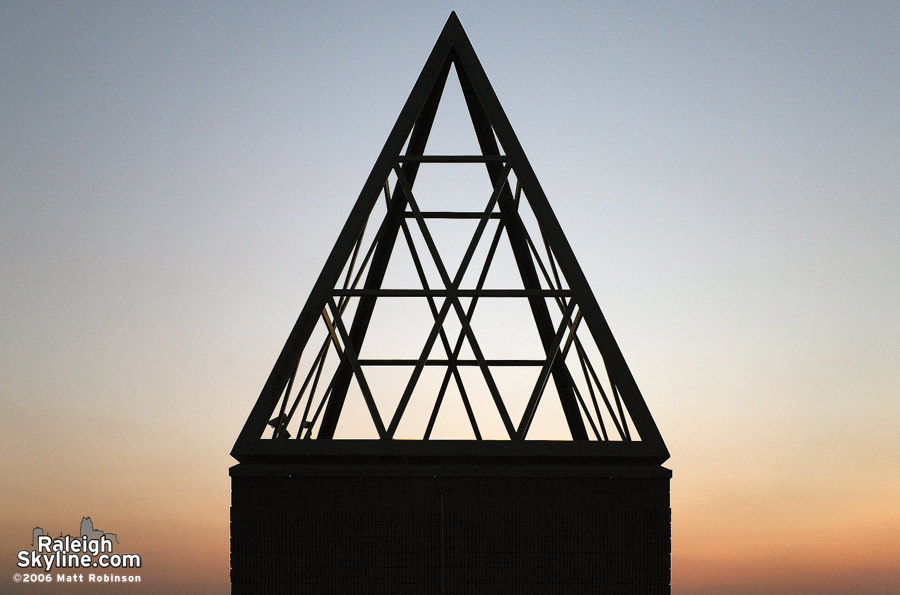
[361, 471]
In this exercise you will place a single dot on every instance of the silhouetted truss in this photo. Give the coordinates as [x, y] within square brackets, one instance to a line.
[391, 282]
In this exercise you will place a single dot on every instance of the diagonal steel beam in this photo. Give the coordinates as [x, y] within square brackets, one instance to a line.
[319, 361]
[568, 265]
[350, 356]
[538, 391]
[470, 311]
[422, 100]
[452, 367]
[452, 287]
[378, 267]
[516, 232]
[439, 316]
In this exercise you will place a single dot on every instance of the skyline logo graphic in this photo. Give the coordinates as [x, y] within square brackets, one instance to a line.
[91, 548]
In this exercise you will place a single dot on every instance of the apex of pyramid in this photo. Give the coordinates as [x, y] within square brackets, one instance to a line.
[453, 26]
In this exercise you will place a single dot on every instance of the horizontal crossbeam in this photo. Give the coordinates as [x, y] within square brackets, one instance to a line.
[452, 215]
[447, 362]
[481, 293]
[450, 158]
[479, 451]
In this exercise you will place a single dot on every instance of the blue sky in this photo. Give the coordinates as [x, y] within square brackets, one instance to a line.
[172, 178]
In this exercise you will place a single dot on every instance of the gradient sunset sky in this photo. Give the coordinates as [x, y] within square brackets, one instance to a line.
[173, 175]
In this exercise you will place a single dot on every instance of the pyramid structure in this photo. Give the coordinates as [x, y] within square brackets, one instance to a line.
[452, 307]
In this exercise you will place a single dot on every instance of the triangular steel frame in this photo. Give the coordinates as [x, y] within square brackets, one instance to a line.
[452, 48]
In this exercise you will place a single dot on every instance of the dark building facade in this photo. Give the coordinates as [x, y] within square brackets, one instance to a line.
[563, 524]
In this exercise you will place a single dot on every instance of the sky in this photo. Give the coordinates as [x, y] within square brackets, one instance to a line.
[173, 176]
